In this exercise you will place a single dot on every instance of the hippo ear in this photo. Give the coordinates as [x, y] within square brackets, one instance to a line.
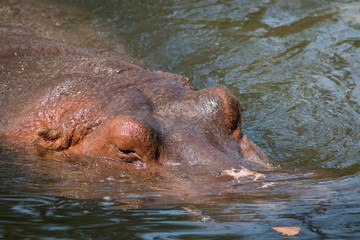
[53, 137]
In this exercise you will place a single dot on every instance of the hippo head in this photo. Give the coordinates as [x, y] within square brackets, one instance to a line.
[199, 133]
[115, 110]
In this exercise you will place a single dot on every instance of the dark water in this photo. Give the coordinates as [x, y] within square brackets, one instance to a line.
[293, 64]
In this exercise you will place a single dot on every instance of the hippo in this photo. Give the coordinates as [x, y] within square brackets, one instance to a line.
[68, 102]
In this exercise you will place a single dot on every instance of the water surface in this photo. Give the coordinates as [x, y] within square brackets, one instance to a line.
[294, 65]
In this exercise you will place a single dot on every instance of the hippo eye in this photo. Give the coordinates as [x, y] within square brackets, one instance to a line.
[134, 140]
[126, 155]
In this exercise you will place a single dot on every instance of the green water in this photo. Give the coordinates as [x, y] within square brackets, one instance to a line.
[294, 65]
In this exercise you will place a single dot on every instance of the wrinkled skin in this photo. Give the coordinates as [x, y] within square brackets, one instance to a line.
[70, 102]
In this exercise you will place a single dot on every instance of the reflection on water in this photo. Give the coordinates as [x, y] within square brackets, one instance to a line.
[294, 65]
[112, 206]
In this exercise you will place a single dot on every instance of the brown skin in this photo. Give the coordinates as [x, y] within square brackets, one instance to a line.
[62, 98]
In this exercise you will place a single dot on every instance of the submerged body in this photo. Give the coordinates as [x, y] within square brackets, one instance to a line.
[66, 100]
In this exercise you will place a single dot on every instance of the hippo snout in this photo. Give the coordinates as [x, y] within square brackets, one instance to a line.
[212, 153]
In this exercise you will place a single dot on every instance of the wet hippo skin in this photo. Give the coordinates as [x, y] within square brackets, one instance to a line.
[66, 100]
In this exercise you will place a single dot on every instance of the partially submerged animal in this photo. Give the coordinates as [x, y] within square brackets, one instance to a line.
[65, 99]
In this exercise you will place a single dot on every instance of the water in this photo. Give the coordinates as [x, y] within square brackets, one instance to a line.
[294, 65]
